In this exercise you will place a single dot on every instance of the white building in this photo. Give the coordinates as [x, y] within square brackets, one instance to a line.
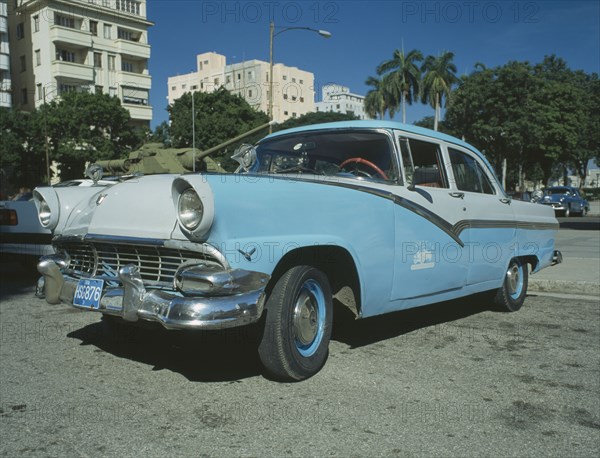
[293, 88]
[90, 45]
[5, 84]
[339, 99]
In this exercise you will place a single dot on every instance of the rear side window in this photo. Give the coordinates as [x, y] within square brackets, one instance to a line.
[423, 163]
[469, 174]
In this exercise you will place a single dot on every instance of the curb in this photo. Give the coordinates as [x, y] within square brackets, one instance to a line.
[566, 287]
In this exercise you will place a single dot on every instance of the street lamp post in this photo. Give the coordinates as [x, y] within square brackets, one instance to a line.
[272, 35]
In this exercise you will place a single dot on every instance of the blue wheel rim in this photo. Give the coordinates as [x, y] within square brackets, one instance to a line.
[309, 318]
[514, 280]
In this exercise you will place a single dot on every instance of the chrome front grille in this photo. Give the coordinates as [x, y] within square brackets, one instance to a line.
[156, 264]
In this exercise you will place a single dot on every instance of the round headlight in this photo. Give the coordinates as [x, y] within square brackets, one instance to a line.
[190, 209]
[44, 213]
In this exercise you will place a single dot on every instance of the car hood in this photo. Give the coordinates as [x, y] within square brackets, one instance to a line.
[140, 207]
[554, 198]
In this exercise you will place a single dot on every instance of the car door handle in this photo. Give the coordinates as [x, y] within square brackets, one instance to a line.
[458, 195]
[506, 200]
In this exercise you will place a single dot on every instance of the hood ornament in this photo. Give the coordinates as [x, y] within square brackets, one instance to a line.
[94, 172]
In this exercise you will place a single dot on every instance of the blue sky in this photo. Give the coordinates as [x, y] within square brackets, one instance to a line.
[365, 33]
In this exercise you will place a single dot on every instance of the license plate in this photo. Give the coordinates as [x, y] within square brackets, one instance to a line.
[88, 293]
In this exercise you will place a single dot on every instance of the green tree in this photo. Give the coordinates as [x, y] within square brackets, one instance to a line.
[439, 77]
[402, 78]
[376, 100]
[219, 116]
[85, 127]
[22, 161]
[161, 134]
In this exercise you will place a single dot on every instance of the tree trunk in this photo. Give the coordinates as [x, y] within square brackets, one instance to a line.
[437, 107]
[403, 103]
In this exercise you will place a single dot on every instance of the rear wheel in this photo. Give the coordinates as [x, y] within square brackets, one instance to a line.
[511, 295]
[295, 341]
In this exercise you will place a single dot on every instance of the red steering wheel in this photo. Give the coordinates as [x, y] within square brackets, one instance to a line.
[360, 160]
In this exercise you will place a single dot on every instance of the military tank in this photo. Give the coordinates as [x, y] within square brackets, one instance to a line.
[153, 158]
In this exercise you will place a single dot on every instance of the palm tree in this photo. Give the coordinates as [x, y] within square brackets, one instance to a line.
[402, 77]
[376, 98]
[439, 76]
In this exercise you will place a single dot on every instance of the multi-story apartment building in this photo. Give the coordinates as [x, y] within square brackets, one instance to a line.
[293, 88]
[90, 45]
[5, 84]
[339, 99]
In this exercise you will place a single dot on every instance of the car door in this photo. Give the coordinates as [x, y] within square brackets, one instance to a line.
[488, 220]
[430, 258]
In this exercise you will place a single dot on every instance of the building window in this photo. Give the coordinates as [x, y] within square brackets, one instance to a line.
[107, 31]
[64, 21]
[301, 99]
[124, 34]
[23, 62]
[36, 23]
[183, 86]
[239, 76]
[250, 93]
[285, 96]
[38, 58]
[94, 28]
[294, 98]
[99, 89]
[111, 63]
[135, 96]
[39, 91]
[216, 81]
[301, 81]
[293, 80]
[127, 66]
[293, 115]
[24, 100]
[228, 79]
[65, 55]
[284, 77]
[285, 113]
[129, 6]
[66, 88]
[173, 88]
[112, 91]
[20, 31]
[98, 59]
[194, 87]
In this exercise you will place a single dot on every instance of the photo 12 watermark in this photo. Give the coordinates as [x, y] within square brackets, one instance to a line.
[443, 12]
[279, 12]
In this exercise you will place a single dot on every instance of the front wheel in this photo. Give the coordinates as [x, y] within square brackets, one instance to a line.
[511, 295]
[567, 211]
[295, 341]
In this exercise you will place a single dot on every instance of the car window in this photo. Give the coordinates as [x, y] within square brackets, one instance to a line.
[353, 154]
[423, 163]
[468, 173]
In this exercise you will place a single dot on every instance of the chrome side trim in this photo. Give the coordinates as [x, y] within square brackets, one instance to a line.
[459, 227]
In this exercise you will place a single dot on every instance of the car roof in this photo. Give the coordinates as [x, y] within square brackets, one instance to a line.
[375, 124]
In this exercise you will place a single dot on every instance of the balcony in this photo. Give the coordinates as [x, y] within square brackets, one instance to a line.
[139, 112]
[4, 62]
[73, 37]
[72, 71]
[133, 48]
[134, 80]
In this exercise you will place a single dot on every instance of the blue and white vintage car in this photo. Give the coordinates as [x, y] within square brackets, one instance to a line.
[380, 215]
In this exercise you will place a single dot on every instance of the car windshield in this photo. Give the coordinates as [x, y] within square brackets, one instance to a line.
[353, 154]
[551, 191]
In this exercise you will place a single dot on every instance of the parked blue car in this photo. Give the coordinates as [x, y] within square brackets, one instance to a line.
[566, 201]
[379, 215]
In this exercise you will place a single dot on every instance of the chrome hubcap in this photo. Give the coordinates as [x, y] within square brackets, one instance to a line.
[513, 277]
[305, 318]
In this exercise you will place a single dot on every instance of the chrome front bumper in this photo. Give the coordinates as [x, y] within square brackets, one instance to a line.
[134, 301]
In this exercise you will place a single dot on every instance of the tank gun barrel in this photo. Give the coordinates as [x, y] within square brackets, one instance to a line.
[220, 146]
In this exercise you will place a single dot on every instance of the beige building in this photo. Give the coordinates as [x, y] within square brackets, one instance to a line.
[293, 88]
[81, 45]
